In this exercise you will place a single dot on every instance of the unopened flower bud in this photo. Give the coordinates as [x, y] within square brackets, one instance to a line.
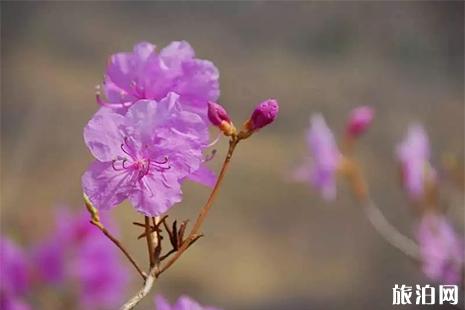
[265, 113]
[359, 120]
[220, 118]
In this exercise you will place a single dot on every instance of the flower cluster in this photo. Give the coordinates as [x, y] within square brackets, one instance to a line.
[149, 136]
[151, 133]
[75, 254]
[326, 159]
[440, 247]
[144, 155]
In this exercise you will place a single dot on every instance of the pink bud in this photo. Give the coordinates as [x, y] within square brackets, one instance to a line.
[217, 114]
[265, 113]
[220, 118]
[359, 120]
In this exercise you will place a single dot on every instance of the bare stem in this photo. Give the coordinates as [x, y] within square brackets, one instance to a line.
[389, 233]
[149, 237]
[393, 236]
[148, 284]
[95, 220]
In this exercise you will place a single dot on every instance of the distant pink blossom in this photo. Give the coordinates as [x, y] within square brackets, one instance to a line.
[48, 259]
[414, 154]
[77, 254]
[145, 155]
[14, 267]
[321, 167]
[14, 276]
[8, 302]
[359, 120]
[183, 303]
[441, 249]
[99, 272]
[145, 73]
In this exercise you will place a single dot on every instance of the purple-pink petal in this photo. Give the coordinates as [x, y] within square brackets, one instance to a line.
[99, 274]
[441, 249]
[203, 176]
[325, 157]
[14, 268]
[49, 261]
[413, 154]
[183, 303]
[146, 74]
[105, 186]
[145, 155]
[9, 302]
[103, 134]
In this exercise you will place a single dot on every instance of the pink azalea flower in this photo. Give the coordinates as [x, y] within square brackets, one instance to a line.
[146, 74]
[183, 303]
[70, 231]
[441, 249]
[144, 155]
[414, 153]
[320, 169]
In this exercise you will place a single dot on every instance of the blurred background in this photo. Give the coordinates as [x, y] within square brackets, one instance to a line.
[270, 244]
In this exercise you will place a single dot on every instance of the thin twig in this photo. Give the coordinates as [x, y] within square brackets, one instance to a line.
[389, 233]
[204, 211]
[149, 237]
[95, 220]
[153, 274]
[393, 236]
[157, 239]
[148, 284]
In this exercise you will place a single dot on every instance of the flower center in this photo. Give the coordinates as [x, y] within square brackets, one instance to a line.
[142, 165]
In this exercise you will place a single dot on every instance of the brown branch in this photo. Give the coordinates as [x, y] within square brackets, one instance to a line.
[389, 233]
[148, 284]
[95, 220]
[384, 228]
[149, 237]
[204, 211]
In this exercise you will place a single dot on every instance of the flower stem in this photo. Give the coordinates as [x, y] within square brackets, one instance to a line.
[393, 236]
[148, 284]
[95, 220]
[149, 237]
[385, 229]
[204, 211]
[120, 246]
